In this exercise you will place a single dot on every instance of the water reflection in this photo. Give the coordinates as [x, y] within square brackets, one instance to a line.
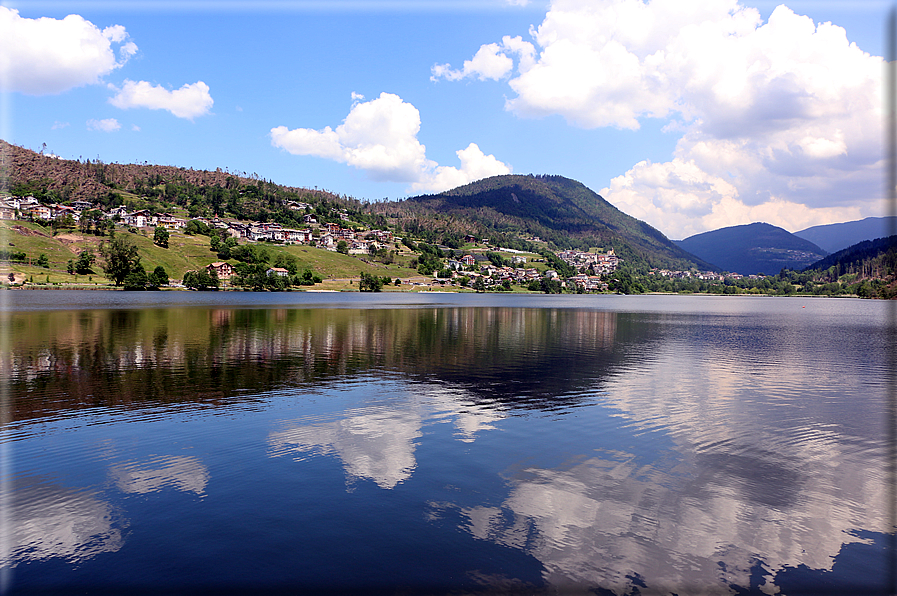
[53, 521]
[657, 452]
[781, 462]
[74, 359]
[376, 443]
[608, 520]
[181, 472]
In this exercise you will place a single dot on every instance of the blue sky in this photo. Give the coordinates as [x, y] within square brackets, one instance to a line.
[689, 115]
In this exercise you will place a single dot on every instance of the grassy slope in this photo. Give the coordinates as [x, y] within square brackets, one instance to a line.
[183, 254]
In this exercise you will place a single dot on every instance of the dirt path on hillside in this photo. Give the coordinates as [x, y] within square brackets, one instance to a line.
[28, 232]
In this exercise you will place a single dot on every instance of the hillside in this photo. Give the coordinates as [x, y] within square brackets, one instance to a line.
[509, 210]
[557, 210]
[184, 253]
[753, 248]
[834, 237]
[861, 256]
[157, 187]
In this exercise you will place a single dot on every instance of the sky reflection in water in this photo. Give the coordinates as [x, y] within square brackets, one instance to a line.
[669, 449]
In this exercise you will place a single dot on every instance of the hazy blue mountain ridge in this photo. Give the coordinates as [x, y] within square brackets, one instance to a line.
[753, 249]
[834, 237]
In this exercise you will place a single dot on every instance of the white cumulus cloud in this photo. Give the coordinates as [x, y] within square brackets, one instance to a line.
[782, 112]
[475, 165]
[492, 61]
[47, 56]
[380, 137]
[190, 101]
[104, 125]
[681, 199]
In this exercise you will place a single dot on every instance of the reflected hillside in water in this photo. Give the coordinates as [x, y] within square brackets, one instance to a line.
[522, 358]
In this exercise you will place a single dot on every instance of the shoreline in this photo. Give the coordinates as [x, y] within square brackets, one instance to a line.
[90, 288]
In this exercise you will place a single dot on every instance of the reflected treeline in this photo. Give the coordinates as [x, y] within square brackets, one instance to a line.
[530, 358]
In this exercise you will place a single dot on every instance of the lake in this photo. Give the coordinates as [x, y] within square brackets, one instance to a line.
[183, 442]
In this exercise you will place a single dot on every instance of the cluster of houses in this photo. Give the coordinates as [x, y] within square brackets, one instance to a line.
[597, 263]
[702, 275]
[19, 207]
[518, 275]
[493, 275]
[589, 283]
[329, 236]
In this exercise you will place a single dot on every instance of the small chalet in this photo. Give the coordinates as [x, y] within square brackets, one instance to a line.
[221, 269]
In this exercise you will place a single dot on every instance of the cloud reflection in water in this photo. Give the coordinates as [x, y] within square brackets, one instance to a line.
[183, 473]
[49, 520]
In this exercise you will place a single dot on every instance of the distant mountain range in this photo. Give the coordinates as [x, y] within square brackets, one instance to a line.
[754, 248]
[835, 237]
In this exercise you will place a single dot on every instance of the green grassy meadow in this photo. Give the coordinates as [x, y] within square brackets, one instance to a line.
[184, 253]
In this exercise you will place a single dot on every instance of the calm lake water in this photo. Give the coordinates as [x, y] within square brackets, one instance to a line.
[437, 443]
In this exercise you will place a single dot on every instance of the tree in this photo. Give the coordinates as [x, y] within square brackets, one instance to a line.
[550, 286]
[200, 280]
[286, 261]
[224, 250]
[370, 283]
[85, 261]
[70, 266]
[160, 237]
[66, 221]
[308, 278]
[249, 254]
[158, 278]
[137, 279]
[43, 261]
[194, 227]
[496, 259]
[342, 247]
[121, 258]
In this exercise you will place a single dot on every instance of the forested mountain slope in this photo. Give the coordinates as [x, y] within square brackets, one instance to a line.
[555, 209]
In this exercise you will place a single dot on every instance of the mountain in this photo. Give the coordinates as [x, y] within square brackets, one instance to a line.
[555, 209]
[834, 237]
[853, 258]
[753, 248]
